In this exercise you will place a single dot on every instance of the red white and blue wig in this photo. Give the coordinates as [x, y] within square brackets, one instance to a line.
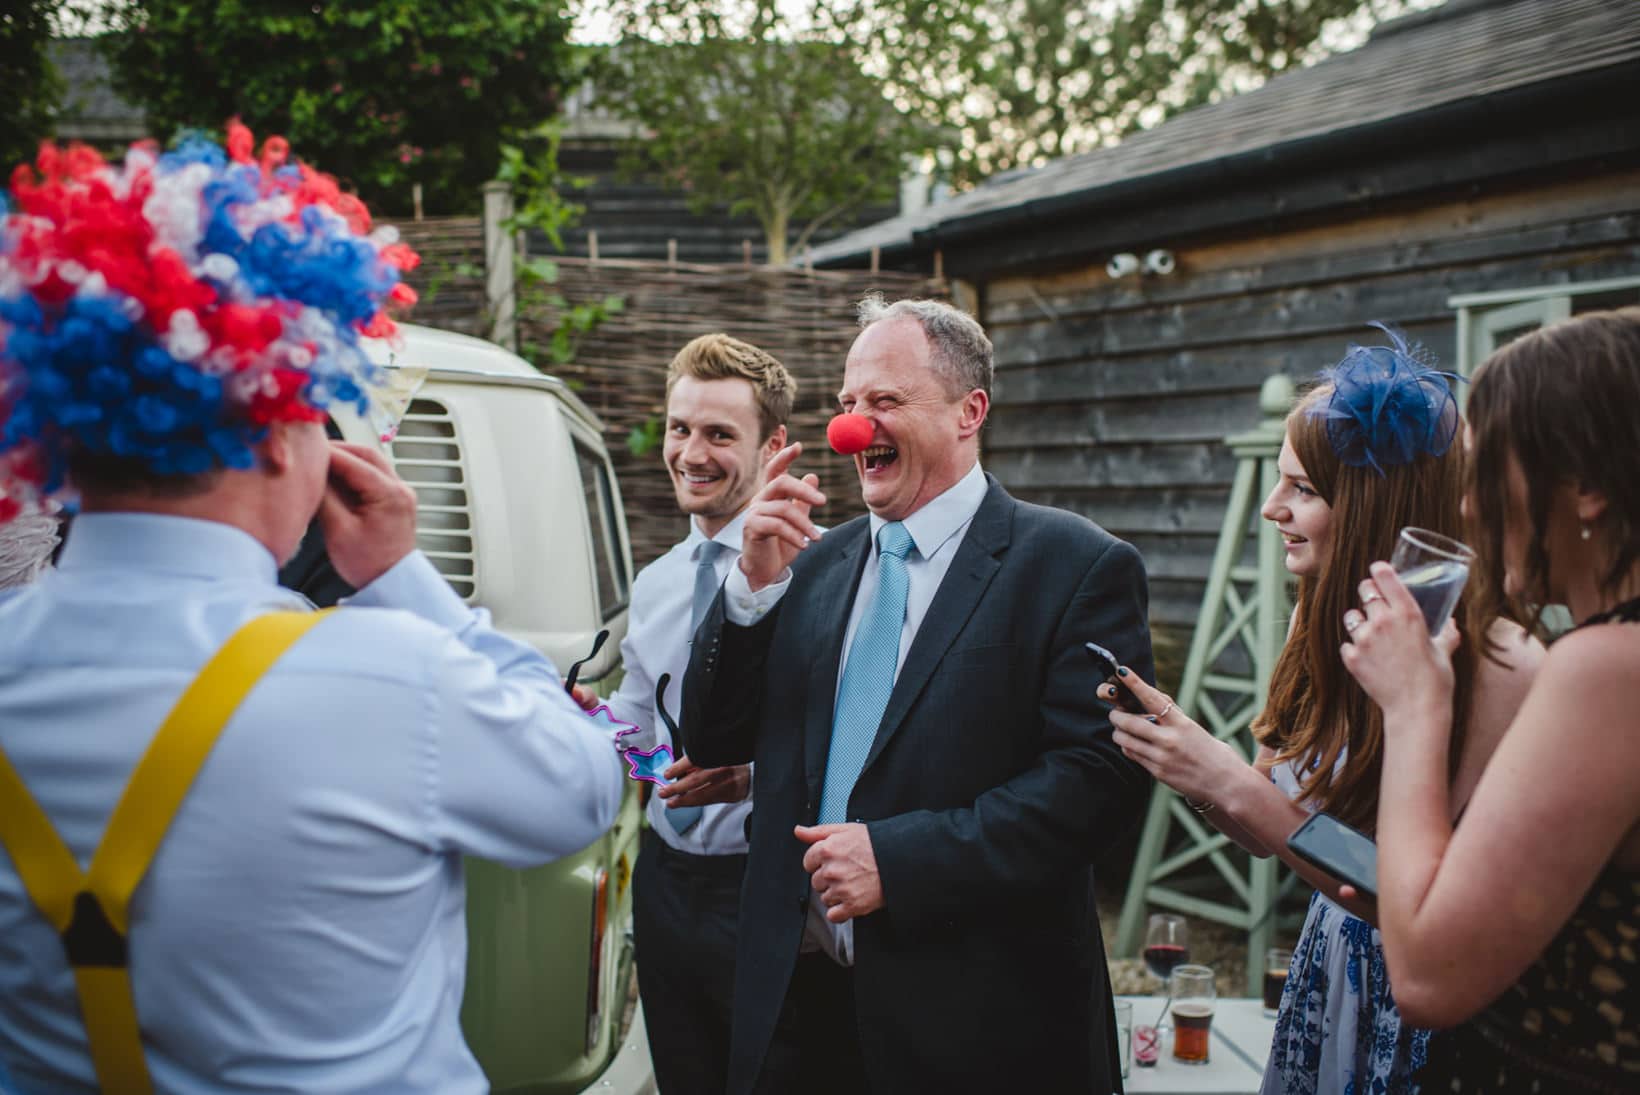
[168, 310]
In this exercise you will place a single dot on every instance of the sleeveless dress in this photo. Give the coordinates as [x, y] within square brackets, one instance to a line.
[1571, 1024]
[1337, 1029]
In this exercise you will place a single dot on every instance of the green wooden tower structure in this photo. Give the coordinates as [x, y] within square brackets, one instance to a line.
[1239, 632]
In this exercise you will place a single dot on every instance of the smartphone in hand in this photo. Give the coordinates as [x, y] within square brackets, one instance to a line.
[1107, 663]
[1350, 856]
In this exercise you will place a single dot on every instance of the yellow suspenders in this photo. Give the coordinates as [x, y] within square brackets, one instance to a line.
[90, 910]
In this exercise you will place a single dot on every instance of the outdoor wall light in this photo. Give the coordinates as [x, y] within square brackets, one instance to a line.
[1123, 265]
[1159, 262]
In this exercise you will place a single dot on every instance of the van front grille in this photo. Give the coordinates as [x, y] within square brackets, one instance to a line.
[427, 453]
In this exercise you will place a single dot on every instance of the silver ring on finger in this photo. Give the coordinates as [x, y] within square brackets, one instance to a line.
[1353, 620]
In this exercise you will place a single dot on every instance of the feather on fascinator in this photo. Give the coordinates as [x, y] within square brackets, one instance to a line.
[167, 311]
[1388, 405]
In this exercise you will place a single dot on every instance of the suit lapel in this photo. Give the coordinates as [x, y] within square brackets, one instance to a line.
[843, 573]
[959, 593]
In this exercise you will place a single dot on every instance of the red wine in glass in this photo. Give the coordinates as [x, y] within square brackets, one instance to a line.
[1161, 958]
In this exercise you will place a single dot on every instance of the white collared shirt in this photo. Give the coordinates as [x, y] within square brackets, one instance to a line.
[302, 926]
[658, 641]
[937, 529]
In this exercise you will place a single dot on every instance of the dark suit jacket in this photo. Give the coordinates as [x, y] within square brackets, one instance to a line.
[992, 784]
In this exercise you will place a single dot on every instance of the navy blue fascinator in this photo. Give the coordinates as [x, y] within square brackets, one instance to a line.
[1388, 406]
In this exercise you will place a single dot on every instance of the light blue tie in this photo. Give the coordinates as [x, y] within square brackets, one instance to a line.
[684, 818]
[868, 676]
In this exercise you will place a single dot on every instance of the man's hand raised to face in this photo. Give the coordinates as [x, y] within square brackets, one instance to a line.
[368, 514]
[777, 523]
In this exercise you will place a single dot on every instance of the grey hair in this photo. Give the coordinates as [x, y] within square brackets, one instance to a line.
[26, 543]
[961, 352]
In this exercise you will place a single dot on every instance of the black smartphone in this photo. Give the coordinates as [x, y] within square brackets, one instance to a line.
[1339, 850]
[1107, 663]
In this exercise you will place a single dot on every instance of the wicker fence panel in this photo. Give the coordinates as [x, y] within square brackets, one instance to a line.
[806, 319]
[450, 278]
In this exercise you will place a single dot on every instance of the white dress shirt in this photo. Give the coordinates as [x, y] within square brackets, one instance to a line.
[937, 530]
[302, 927]
[658, 641]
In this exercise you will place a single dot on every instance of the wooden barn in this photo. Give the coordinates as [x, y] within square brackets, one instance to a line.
[1471, 171]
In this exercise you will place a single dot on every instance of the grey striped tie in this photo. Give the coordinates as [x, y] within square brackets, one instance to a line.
[684, 818]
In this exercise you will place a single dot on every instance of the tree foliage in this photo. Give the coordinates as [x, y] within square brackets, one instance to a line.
[1018, 82]
[760, 112]
[31, 82]
[978, 86]
[382, 93]
[530, 169]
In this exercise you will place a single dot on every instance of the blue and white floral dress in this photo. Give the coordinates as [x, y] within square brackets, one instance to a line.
[1338, 1031]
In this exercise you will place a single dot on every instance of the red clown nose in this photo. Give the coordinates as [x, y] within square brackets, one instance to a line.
[850, 433]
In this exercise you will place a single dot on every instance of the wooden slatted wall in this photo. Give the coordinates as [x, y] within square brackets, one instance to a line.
[1113, 397]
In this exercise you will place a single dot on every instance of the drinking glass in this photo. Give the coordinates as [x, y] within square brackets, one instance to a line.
[1124, 1033]
[1146, 1043]
[1434, 569]
[1276, 963]
[1167, 945]
[1194, 996]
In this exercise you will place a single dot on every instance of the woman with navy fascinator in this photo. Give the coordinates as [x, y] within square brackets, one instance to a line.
[1369, 450]
[1521, 920]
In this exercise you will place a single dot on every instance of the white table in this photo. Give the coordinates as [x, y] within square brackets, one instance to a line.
[1236, 1052]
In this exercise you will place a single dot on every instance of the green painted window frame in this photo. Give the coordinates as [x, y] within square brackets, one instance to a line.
[1487, 321]
[1484, 317]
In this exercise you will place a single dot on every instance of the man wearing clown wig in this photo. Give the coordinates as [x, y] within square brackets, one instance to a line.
[231, 828]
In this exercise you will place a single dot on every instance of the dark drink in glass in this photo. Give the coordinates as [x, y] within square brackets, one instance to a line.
[1192, 1023]
[1194, 996]
[1167, 944]
[1277, 960]
[1161, 958]
[1274, 984]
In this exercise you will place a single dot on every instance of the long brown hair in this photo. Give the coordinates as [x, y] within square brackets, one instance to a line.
[1565, 402]
[1316, 710]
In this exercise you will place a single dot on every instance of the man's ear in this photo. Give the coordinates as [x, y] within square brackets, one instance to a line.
[776, 442]
[975, 406]
[278, 451]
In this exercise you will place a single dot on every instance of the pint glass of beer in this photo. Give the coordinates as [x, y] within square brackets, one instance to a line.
[1276, 961]
[1193, 998]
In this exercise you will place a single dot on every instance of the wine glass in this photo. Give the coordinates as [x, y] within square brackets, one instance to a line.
[1167, 945]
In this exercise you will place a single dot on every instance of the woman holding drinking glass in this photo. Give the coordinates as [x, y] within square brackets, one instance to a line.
[1368, 451]
[1525, 915]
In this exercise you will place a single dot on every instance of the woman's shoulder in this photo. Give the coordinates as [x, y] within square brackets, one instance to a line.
[1604, 658]
[1583, 694]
